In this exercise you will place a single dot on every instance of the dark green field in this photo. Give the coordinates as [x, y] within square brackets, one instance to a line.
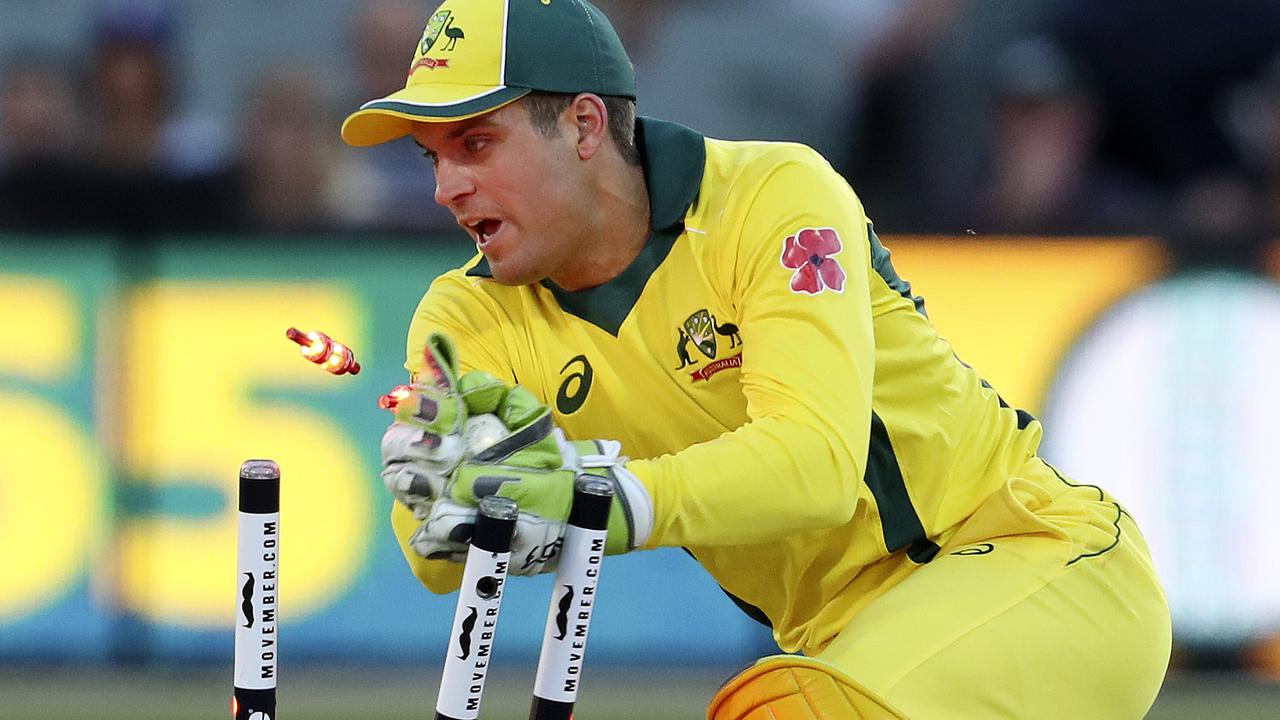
[361, 694]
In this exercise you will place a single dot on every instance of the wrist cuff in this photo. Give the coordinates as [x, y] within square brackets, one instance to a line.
[636, 503]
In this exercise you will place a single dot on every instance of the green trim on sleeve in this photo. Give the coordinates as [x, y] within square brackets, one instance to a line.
[898, 517]
[747, 608]
[884, 268]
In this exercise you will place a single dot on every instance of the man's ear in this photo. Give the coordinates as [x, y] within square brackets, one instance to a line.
[590, 120]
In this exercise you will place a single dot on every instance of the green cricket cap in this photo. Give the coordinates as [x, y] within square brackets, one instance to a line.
[478, 55]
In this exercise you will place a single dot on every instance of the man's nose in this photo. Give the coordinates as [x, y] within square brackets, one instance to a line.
[452, 184]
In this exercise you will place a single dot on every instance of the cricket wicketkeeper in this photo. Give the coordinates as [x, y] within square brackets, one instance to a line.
[718, 331]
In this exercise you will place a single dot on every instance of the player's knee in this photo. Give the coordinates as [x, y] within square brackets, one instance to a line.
[790, 687]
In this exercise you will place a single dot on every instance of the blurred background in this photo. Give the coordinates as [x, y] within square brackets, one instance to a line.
[1086, 192]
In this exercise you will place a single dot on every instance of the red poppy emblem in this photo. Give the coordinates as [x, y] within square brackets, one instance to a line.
[809, 252]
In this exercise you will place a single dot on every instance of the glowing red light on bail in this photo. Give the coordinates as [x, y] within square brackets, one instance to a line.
[320, 349]
[392, 399]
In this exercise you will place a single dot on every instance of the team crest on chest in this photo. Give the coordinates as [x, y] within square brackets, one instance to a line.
[699, 332]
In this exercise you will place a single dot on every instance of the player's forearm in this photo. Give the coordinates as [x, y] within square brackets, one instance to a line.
[769, 479]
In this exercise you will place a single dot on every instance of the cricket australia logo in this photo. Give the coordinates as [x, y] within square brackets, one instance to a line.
[440, 23]
[700, 330]
[432, 32]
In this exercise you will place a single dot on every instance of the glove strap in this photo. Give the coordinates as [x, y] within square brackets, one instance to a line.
[632, 499]
[524, 437]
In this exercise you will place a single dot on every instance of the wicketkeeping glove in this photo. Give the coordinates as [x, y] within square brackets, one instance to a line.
[425, 444]
[535, 466]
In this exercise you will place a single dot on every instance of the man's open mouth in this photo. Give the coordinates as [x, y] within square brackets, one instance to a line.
[485, 229]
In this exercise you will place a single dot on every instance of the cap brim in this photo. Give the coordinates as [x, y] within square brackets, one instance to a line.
[393, 116]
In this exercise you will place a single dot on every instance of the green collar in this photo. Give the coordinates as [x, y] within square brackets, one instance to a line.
[673, 158]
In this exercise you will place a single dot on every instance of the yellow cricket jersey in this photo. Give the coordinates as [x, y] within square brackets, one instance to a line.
[783, 396]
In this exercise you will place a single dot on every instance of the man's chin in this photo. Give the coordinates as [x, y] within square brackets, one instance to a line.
[508, 274]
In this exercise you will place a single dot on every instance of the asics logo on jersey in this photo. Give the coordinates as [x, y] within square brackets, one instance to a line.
[574, 388]
[979, 549]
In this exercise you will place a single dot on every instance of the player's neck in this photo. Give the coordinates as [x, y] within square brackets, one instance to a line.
[615, 231]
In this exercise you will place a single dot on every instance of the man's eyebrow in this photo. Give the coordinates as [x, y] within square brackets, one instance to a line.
[457, 132]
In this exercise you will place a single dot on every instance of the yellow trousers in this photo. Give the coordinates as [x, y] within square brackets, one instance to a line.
[1044, 604]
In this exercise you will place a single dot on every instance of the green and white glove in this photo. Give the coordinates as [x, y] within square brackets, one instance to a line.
[535, 466]
[421, 449]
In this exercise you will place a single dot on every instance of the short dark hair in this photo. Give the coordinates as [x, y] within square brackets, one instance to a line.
[545, 108]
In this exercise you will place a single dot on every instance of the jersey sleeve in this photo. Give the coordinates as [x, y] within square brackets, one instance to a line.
[449, 306]
[797, 267]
